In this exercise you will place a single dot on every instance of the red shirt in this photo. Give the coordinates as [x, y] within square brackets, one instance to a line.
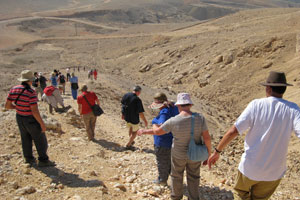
[91, 97]
[26, 99]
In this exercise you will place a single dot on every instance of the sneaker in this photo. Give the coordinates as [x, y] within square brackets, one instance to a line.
[159, 182]
[131, 148]
[47, 163]
[31, 162]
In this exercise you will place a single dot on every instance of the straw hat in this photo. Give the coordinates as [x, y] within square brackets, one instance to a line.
[26, 75]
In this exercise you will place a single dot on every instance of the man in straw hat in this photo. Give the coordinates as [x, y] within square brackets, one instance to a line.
[85, 101]
[181, 127]
[270, 122]
[24, 99]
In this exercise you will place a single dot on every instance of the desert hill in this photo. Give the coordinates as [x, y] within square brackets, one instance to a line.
[219, 60]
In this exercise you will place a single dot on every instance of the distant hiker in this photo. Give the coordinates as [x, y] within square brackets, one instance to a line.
[68, 74]
[53, 97]
[270, 122]
[36, 85]
[84, 68]
[53, 79]
[181, 127]
[85, 111]
[163, 143]
[74, 85]
[95, 74]
[132, 111]
[62, 82]
[90, 75]
[43, 81]
[78, 68]
[23, 98]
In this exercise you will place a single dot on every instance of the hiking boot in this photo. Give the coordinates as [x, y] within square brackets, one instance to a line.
[47, 163]
[159, 182]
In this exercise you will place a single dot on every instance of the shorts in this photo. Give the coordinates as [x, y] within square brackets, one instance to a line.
[135, 127]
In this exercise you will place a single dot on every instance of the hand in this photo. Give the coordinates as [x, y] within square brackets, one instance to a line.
[140, 132]
[43, 127]
[204, 162]
[213, 159]
[123, 117]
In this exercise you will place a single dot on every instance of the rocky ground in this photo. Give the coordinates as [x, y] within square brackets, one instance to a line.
[104, 169]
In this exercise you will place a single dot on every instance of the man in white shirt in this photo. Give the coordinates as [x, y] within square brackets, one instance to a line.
[270, 122]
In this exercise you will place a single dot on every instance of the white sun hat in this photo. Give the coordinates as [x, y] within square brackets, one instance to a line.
[183, 99]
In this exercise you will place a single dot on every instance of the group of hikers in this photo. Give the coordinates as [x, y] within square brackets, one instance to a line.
[267, 122]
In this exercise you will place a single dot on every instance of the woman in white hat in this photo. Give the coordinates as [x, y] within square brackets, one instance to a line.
[181, 126]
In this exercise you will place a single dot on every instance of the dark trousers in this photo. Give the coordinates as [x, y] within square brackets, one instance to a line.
[163, 160]
[30, 130]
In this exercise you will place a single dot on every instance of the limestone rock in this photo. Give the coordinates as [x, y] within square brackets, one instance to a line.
[26, 190]
[218, 59]
[120, 186]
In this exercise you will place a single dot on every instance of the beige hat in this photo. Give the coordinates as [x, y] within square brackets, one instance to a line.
[83, 88]
[26, 75]
[183, 99]
[160, 100]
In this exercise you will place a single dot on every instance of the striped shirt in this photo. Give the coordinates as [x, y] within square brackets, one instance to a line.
[26, 99]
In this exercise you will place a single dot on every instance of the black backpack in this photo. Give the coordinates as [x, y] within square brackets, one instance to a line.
[35, 82]
[62, 79]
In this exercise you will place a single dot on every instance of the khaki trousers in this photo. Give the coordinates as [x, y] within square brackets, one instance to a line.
[193, 177]
[247, 189]
[90, 124]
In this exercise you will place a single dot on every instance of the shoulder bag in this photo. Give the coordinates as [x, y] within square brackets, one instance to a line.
[196, 152]
[97, 110]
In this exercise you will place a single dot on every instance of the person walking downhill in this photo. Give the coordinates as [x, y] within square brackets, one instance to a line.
[270, 122]
[163, 143]
[23, 99]
[74, 85]
[43, 81]
[36, 85]
[53, 79]
[84, 101]
[181, 126]
[52, 96]
[132, 111]
[62, 82]
[68, 74]
[95, 74]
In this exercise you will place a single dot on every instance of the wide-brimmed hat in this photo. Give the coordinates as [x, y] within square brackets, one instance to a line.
[160, 100]
[276, 79]
[183, 99]
[26, 75]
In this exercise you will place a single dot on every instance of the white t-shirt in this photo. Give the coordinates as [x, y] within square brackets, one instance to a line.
[270, 122]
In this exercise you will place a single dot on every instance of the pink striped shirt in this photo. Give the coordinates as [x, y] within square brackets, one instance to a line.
[26, 99]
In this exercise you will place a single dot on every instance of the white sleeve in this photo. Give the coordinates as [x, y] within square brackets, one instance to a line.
[297, 124]
[245, 120]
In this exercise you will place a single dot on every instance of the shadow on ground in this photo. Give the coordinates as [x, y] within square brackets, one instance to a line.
[68, 179]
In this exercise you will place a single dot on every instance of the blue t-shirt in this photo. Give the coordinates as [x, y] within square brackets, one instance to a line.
[165, 114]
[53, 81]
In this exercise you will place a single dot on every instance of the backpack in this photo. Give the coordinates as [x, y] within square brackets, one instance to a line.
[62, 79]
[49, 90]
[35, 82]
